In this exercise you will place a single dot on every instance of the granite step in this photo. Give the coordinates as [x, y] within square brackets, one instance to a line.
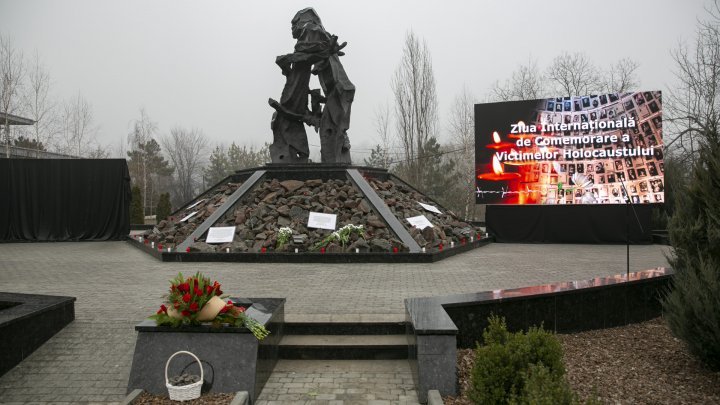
[344, 328]
[343, 347]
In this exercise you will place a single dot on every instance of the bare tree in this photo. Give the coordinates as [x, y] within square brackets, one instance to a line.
[383, 121]
[186, 150]
[143, 130]
[39, 106]
[462, 133]
[11, 76]
[98, 152]
[568, 75]
[416, 115]
[621, 76]
[526, 83]
[694, 107]
[77, 133]
[574, 75]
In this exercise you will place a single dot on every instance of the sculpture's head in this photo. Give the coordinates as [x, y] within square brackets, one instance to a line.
[302, 19]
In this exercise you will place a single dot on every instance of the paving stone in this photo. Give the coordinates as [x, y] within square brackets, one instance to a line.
[325, 396]
[118, 286]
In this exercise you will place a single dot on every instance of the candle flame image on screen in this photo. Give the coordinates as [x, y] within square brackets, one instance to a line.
[499, 173]
[496, 137]
[497, 167]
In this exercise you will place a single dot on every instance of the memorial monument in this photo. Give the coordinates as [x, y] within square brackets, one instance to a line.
[316, 52]
[293, 209]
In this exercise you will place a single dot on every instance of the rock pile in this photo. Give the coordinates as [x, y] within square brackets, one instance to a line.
[403, 202]
[184, 379]
[273, 204]
[170, 231]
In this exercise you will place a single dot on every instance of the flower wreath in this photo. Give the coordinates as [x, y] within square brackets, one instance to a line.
[195, 299]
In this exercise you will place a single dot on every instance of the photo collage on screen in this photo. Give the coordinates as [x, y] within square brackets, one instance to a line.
[642, 175]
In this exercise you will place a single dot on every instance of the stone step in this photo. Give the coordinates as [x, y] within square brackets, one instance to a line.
[343, 347]
[344, 328]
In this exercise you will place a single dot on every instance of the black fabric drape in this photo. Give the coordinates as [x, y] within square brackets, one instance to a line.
[64, 199]
[581, 223]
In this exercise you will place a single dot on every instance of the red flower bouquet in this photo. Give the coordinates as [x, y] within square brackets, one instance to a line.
[196, 299]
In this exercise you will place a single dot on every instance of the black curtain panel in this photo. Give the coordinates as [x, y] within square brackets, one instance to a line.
[64, 199]
[581, 223]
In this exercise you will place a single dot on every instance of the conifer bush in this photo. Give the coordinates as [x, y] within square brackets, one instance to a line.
[136, 209]
[692, 305]
[163, 209]
[503, 362]
[541, 387]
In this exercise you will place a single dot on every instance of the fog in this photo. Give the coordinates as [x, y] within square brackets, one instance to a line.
[210, 65]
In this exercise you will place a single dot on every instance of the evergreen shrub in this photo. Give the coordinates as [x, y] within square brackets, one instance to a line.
[692, 305]
[503, 362]
[137, 215]
[164, 208]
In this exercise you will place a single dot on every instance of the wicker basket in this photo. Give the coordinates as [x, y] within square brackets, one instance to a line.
[184, 392]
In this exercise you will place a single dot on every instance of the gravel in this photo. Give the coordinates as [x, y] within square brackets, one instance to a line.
[635, 364]
[207, 399]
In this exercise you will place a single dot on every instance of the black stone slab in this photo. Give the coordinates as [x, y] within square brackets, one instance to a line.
[432, 356]
[27, 321]
[572, 306]
[345, 328]
[302, 172]
[563, 307]
[359, 352]
[232, 358]
[308, 257]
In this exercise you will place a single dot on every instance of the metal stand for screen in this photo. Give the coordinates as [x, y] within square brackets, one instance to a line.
[628, 206]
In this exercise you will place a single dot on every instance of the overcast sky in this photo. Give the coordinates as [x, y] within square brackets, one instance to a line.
[210, 64]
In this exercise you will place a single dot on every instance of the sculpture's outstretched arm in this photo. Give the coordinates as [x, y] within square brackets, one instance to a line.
[284, 111]
[311, 52]
[308, 119]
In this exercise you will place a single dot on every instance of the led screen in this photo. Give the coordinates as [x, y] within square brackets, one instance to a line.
[599, 149]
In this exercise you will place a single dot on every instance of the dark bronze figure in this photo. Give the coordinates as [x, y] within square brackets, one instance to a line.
[316, 52]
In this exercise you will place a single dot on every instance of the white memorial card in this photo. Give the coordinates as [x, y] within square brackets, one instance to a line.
[220, 234]
[195, 203]
[188, 216]
[430, 208]
[322, 221]
[420, 222]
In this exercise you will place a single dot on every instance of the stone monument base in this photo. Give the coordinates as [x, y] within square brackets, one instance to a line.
[232, 358]
[259, 202]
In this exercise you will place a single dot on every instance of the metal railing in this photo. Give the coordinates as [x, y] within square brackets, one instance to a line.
[17, 152]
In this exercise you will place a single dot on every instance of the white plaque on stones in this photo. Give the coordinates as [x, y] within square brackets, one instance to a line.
[322, 220]
[195, 203]
[430, 208]
[419, 222]
[220, 234]
[188, 216]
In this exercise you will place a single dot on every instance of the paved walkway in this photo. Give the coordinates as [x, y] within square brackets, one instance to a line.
[340, 382]
[117, 286]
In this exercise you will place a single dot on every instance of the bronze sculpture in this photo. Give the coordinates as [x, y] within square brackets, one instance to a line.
[316, 52]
